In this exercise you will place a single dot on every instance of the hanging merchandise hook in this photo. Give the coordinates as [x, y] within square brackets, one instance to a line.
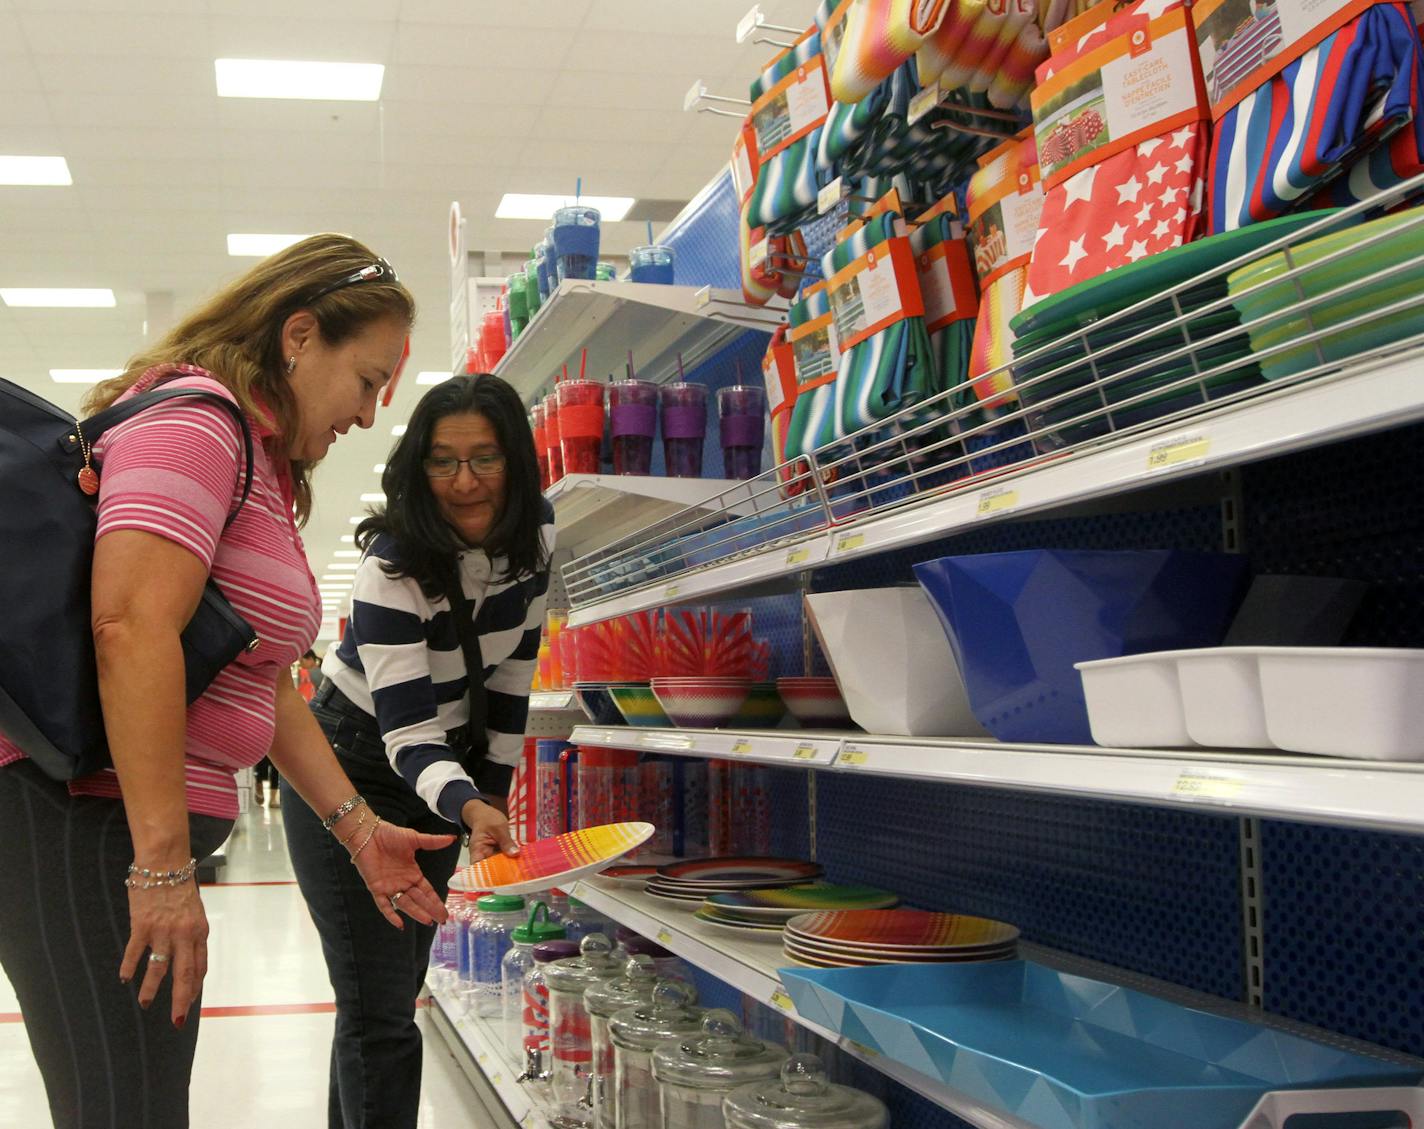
[754, 21]
[697, 94]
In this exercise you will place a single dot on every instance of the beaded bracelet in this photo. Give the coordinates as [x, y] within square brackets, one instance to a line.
[142, 878]
[342, 812]
[366, 841]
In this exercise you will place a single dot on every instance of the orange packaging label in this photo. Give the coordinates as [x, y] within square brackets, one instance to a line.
[778, 370]
[1005, 202]
[875, 291]
[947, 285]
[791, 109]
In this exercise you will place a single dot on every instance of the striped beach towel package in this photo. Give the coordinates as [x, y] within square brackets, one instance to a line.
[778, 371]
[770, 265]
[848, 123]
[1004, 201]
[1314, 103]
[950, 294]
[810, 333]
[1120, 120]
[789, 107]
[880, 35]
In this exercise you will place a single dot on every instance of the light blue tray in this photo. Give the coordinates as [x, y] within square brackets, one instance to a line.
[1068, 1052]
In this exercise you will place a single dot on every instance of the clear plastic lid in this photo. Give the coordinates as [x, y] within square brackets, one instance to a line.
[802, 1098]
[721, 1057]
[634, 987]
[594, 963]
[670, 1014]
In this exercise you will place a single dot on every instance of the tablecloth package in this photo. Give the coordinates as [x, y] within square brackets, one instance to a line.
[778, 371]
[789, 107]
[1304, 99]
[810, 333]
[1120, 119]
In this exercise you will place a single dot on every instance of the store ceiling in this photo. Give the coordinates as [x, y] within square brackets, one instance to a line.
[481, 97]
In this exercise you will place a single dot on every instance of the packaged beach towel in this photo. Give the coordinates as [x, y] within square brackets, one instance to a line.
[1300, 93]
[879, 36]
[950, 294]
[770, 265]
[1120, 120]
[810, 333]
[778, 371]
[789, 107]
[985, 48]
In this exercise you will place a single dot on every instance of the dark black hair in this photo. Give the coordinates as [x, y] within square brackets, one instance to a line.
[310, 655]
[426, 545]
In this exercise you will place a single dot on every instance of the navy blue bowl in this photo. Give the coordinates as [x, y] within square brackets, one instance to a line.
[1017, 622]
[598, 704]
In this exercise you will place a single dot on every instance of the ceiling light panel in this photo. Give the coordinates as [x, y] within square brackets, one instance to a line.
[347, 553]
[527, 206]
[430, 378]
[285, 78]
[398, 430]
[38, 171]
[82, 375]
[57, 297]
[258, 246]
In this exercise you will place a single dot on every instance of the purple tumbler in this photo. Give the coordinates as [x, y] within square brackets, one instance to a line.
[741, 412]
[684, 420]
[633, 412]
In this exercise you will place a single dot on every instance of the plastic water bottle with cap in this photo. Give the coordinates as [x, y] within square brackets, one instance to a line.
[516, 964]
[465, 921]
[489, 941]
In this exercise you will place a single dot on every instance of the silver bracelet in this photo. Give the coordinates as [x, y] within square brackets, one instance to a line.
[342, 812]
[142, 878]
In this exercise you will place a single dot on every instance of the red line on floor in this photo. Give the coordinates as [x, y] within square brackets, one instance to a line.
[282, 882]
[268, 1009]
[11, 1017]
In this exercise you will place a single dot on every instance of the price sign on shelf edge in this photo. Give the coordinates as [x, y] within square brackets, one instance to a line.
[1178, 451]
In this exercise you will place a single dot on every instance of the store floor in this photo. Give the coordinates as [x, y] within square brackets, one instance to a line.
[267, 1011]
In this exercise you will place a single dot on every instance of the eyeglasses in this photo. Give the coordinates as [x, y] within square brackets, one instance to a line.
[482, 465]
[378, 271]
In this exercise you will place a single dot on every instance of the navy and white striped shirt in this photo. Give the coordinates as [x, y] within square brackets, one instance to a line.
[400, 660]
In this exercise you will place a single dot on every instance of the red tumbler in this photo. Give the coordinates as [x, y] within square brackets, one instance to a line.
[552, 439]
[580, 425]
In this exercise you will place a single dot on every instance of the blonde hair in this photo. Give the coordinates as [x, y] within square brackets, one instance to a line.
[237, 334]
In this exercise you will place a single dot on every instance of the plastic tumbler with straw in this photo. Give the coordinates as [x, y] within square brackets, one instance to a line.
[518, 305]
[550, 271]
[541, 442]
[580, 425]
[552, 438]
[633, 408]
[653, 263]
[576, 242]
[684, 423]
[605, 272]
[532, 298]
[741, 414]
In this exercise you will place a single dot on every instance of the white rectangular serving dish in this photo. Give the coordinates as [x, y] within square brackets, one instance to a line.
[1221, 697]
[1136, 701]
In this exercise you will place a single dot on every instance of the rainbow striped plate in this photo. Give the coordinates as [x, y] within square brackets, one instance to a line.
[553, 862]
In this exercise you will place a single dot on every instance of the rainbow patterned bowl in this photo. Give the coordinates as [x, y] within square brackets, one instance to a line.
[815, 702]
[763, 708]
[638, 705]
[596, 701]
[701, 704]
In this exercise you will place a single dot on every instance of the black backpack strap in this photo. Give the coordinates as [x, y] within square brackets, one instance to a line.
[461, 607]
[115, 414]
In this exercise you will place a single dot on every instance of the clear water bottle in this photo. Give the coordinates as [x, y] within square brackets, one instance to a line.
[444, 959]
[464, 952]
[489, 941]
[517, 962]
[580, 920]
[558, 906]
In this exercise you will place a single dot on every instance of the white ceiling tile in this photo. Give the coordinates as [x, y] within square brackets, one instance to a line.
[631, 90]
[121, 173]
[28, 110]
[479, 89]
[175, 78]
[653, 53]
[541, 14]
[114, 33]
[289, 33]
[458, 120]
[131, 111]
[332, 12]
[167, 148]
[631, 127]
[281, 115]
[13, 46]
[542, 50]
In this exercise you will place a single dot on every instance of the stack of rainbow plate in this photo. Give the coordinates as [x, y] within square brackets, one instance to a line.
[684, 885]
[848, 938]
[768, 911]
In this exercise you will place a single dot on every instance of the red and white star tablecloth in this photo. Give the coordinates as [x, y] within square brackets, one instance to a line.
[1136, 203]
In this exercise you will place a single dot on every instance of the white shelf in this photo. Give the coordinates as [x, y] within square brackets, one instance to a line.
[554, 701]
[482, 1044]
[751, 965]
[592, 510]
[1382, 394]
[1383, 796]
[610, 318]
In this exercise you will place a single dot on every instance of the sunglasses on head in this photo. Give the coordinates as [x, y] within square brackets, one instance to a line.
[379, 271]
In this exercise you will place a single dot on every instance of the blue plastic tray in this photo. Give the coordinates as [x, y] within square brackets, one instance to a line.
[1069, 1052]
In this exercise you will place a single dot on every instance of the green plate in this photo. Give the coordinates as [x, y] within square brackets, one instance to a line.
[1072, 349]
[1125, 286]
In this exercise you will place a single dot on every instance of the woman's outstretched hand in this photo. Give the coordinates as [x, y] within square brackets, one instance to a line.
[388, 867]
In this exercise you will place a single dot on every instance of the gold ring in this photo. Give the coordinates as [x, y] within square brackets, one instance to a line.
[161, 958]
[396, 897]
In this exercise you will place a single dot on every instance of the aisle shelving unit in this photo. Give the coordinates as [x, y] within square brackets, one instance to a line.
[477, 1047]
[658, 323]
[1382, 796]
[591, 510]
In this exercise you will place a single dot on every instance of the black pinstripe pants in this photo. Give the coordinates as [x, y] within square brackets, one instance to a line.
[64, 923]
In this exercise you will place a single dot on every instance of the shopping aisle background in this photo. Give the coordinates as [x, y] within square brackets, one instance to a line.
[267, 1011]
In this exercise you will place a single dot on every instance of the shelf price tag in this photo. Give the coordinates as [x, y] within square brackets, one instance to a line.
[922, 103]
[847, 542]
[482, 1058]
[758, 254]
[798, 556]
[861, 1050]
[741, 746]
[703, 297]
[852, 757]
[804, 752]
[780, 999]
[996, 500]
[1177, 451]
[671, 590]
[1208, 785]
[828, 197]
[664, 937]
[496, 1078]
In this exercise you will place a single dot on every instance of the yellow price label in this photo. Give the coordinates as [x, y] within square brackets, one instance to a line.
[780, 999]
[671, 590]
[854, 757]
[798, 556]
[996, 502]
[496, 1078]
[805, 752]
[483, 1058]
[664, 937]
[849, 541]
[1208, 785]
[703, 297]
[860, 1049]
[742, 745]
[1173, 452]
[922, 103]
[828, 197]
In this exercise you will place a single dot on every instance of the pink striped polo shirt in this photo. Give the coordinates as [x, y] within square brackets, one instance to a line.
[176, 470]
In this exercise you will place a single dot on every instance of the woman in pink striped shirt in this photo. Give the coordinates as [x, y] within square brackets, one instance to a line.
[96, 877]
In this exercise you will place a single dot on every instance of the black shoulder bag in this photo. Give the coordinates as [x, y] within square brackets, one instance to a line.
[490, 778]
[49, 682]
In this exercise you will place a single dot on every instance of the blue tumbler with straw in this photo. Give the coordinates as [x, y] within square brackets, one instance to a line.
[653, 263]
[576, 241]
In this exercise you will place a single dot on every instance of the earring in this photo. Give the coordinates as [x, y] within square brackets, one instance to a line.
[291, 365]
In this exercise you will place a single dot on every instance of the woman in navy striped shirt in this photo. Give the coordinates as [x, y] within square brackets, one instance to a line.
[464, 530]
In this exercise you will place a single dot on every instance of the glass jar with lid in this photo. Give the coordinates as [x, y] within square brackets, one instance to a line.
[570, 1040]
[518, 961]
[669, 965]
[603, 1001]
[803, 1098]
[636, 1032]
[695, 1073]
[534, 1017]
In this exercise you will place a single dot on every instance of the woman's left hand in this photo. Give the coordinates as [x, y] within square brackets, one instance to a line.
[388, 867]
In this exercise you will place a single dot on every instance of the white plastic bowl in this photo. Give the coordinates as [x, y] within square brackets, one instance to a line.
[1221, 695]
[1135, 701]
[892, 662]
[1345, 701]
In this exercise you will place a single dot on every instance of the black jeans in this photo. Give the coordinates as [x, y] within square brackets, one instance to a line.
[106, 1062]
[376, 971]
